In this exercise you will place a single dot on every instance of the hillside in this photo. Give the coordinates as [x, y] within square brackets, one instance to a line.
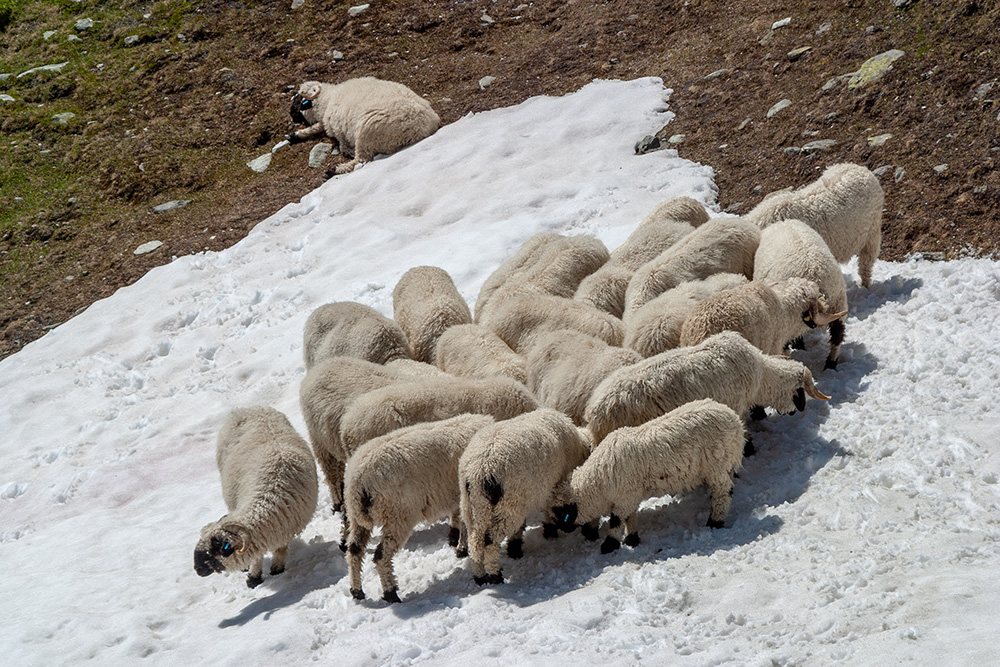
[171, 99]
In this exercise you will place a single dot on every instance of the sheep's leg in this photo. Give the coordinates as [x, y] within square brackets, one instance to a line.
[590, 530]
[362, 153]
[457, 535]
[721, 488]
[355, 555]
[631, 534]
[615, 535]
[515, 543]
[869, 253]
[278, 560]
[305, 134]
[345, 531]
[256, 574]
[384, 553]
[490, 569]
[837, 330]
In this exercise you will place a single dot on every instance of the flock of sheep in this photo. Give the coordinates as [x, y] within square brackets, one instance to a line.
[582, 383]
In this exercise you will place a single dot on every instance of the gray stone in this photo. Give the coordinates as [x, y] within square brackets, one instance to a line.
[717, 73]
[933, 256]
[746, 123]
[823, 28]
[297, 3]
[73, 38]
[810, 133]
[940, 169]
[278, 146]
[880, 139]
[84, 24]
[765, 39]
[357, 9]
[796, 54]
[874, 68]
[819, 145]
[783, 104]
[734, 208]
[131, 40]
[6, 75]
[55, 67]
[676, 139]
[980, 190]
[319, 153]
[899, 174]
[781, 24]
[984, 90]
[648, 144]
[260, 163]
[147, 247]
[486, 82]
[899, 4]
[63, 118]
[171, 205]
[6, 98]
[336, 55]
[792, 150]
[47, 35]
[883, 170]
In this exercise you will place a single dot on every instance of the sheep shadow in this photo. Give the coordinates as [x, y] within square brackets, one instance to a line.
[310, 567]
[895, 289]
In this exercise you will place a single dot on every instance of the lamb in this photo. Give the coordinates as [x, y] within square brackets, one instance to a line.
[844, 206]
[472, 350]
[510, 470]
[366, 116]
[667, 224]
[721, 245]
[656, 326]
[352, 329]
[269, 484]
[792, 249]
[724, 367]
[700, 442]
[405, 403]
[545, 264]
[769, 316]
[520, 321]
[425, 302]
[565, 366]
[398, 480]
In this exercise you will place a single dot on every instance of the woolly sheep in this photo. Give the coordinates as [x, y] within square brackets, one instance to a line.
[547, 264]
[769, 316]
[721, 245]
[472, 350]
[700, 442]
[399, 480]
[792, 249]
[844, 206]
[656, 326]
[269, 484]
[519, 322]
[425, 302]
[351, 329]
[565, 366]
[724, 367]
[366, 116]
[510, 470]
[405, 403]
[667, 224]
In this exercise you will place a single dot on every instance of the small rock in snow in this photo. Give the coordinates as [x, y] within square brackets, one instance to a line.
[147, 247]
[648, 144]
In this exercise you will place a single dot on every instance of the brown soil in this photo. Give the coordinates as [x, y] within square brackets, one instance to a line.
[222, 93]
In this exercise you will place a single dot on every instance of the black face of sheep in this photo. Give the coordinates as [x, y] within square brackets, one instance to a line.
[800, 399]
[299, 104]
[808, 319]
[206, 561]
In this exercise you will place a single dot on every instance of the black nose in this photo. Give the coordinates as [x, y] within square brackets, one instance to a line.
[204, 564]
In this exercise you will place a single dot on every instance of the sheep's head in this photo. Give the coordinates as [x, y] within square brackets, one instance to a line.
[299, 105]
[789, 385]
[302, 103]
[220, 548]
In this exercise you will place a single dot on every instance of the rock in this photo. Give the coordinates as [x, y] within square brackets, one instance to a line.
[984, 90]
[336, 55]
[84, 24]
[783, 104]
[823, 28]
[170, 205]
[929, 256]
[832, 82]
[486, 82]
[676, 139]
[47, 35]
[744, 125]
[55, 67]
[782, 23]
[73, 38]
[940, 169]
[6, 98]
[792, 150]
[899, 4]
[131, 40]
[278, 146]
[6, 75]
[980, 190]
[819, 145]
[486, 18]
[319, 153]
[874, 68]
[261, 163]
[357, 9]
[795, 54]
[734, 208]
[899, 174]
[147, 247]
[883, 170]
[648, 144]
[879, 139]
[717, 73]
[297, 3]
[63, 118]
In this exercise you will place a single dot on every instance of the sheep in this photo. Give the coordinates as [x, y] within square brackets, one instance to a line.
[366, 116]
[270, 486]
[425, 302]
[520, 321]
[791, 248]
[510, 470]
[352, 329]
[724, 367]
[398, 480]
[404, 403]
[721, 245]
[769, 316]
[656, 325]
[844, 206]
[667, 224]
[545, 264]
[700, 442]
[565, 366]
[472, 350]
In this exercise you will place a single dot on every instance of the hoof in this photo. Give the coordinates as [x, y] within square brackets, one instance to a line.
[549, 531]
[453, 535]
[610, 544]
[490, 579]
[277, 570]
[712, 523]
[831, 364]
[748, 448]
[391, 596]
[515, 548]
[590, 532]
[357, 594]
[632, 540]
[461, 553]
[254, 581]
[343, 547]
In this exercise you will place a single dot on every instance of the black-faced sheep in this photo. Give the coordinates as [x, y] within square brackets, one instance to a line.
[792, 249]
[697, 443]
[348, 329]
[399, 480]
[510, 470]
[269, 484]
[725, 367]
[472, 350]
[844, 206]
[366, 116]
[425, 302]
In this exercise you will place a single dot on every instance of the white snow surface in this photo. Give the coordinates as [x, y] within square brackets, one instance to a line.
[864, 532]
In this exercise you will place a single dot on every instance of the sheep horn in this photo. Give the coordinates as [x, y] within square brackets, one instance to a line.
[822, 319]
[243, 546]
[807, 384]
